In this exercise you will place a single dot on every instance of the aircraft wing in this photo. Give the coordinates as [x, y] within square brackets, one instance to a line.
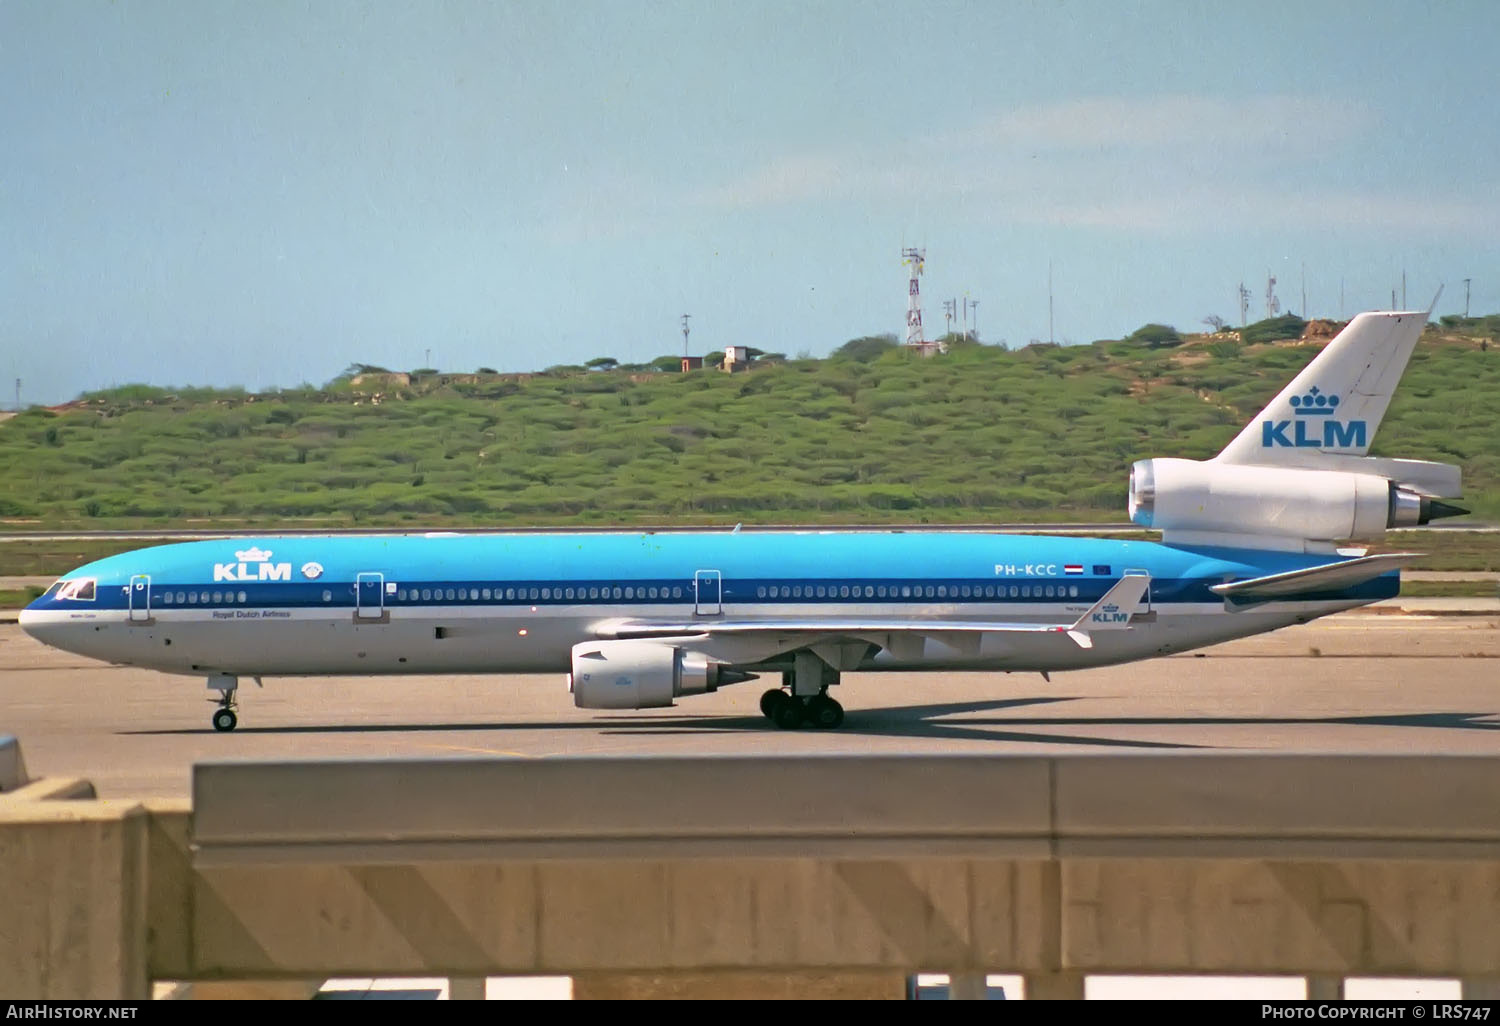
[1112, 612]
[1313, 579]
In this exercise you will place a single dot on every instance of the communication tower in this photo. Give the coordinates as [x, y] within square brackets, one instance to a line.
[685, 333]
[914, 259]
[1244, 305]
[1273, 305]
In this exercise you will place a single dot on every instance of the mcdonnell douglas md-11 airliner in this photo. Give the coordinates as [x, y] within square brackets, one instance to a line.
[1252, 540]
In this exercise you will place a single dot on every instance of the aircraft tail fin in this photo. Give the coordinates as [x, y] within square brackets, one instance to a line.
[1334, 407]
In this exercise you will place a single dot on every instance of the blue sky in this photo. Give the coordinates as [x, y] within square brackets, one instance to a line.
[261, 193]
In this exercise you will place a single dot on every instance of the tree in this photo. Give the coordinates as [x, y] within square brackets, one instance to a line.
[866, 348]
[1215, 322]
[1157, 336]
[487, 370]
[602, 363]
[667, 363]
[1274, 329]
[354, 370]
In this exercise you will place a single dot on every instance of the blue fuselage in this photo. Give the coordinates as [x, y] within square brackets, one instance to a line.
[491, 603]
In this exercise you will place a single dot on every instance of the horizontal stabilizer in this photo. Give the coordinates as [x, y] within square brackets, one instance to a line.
[1313, 579]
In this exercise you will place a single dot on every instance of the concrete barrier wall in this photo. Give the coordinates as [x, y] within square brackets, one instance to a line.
[621, 872]
[850, 806]
[12, 766]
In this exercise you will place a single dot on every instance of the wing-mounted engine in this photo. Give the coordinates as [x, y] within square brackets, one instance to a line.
[1185, 496]
[630, 674]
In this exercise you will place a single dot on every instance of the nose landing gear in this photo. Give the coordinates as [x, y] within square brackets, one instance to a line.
[224, 718]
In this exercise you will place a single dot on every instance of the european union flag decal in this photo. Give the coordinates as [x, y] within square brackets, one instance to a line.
[1101, 570]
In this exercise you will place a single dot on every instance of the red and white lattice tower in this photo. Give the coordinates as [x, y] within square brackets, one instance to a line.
[914, 258]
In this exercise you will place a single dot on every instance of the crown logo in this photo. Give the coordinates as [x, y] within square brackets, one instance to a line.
[254, 554]
[1314, 404]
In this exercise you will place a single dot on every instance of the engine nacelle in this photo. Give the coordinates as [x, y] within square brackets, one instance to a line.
[641, 675]
[1186, 495]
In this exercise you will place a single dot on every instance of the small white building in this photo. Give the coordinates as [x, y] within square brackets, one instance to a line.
[736, 358]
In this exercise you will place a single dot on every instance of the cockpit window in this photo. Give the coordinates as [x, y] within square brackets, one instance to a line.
[79, 590]
[52, 591]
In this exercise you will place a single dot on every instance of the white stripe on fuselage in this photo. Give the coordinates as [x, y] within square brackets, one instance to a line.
[498, 639]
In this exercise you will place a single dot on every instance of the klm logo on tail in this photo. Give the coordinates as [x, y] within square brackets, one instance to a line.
[1305, 430]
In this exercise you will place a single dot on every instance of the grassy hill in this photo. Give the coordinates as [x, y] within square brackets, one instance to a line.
[981, 434]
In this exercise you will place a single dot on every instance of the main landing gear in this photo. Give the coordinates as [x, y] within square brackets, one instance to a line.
[789, 713]
[803, 699]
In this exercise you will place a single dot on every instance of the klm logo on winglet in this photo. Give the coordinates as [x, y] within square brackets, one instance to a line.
[1110, 614]
[1300, 433]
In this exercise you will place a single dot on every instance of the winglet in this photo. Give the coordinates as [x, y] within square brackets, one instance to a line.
[1113, 611]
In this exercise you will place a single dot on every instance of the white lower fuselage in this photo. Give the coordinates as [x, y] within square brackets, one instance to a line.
[467, 639]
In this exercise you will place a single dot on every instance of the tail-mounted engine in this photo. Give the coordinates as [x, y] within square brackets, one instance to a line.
[1287, 502]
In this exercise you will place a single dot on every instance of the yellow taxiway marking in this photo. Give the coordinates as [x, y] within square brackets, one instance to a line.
[485, 751]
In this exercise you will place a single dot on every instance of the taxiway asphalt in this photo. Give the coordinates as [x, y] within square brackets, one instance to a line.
[1361, 682]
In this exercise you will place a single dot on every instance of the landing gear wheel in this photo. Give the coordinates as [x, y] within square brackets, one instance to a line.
[789, 714]
[825, 713]
[225, 720]
[771, 700]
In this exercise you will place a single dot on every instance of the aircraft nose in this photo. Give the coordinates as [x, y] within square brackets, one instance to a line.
[31, 620]
[42, 624]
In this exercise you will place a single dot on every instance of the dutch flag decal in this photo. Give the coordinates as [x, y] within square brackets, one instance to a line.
[1072, 568]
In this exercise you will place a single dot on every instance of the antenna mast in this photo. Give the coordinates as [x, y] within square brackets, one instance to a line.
[915, 259]
[685, 333]
[1244, 305]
